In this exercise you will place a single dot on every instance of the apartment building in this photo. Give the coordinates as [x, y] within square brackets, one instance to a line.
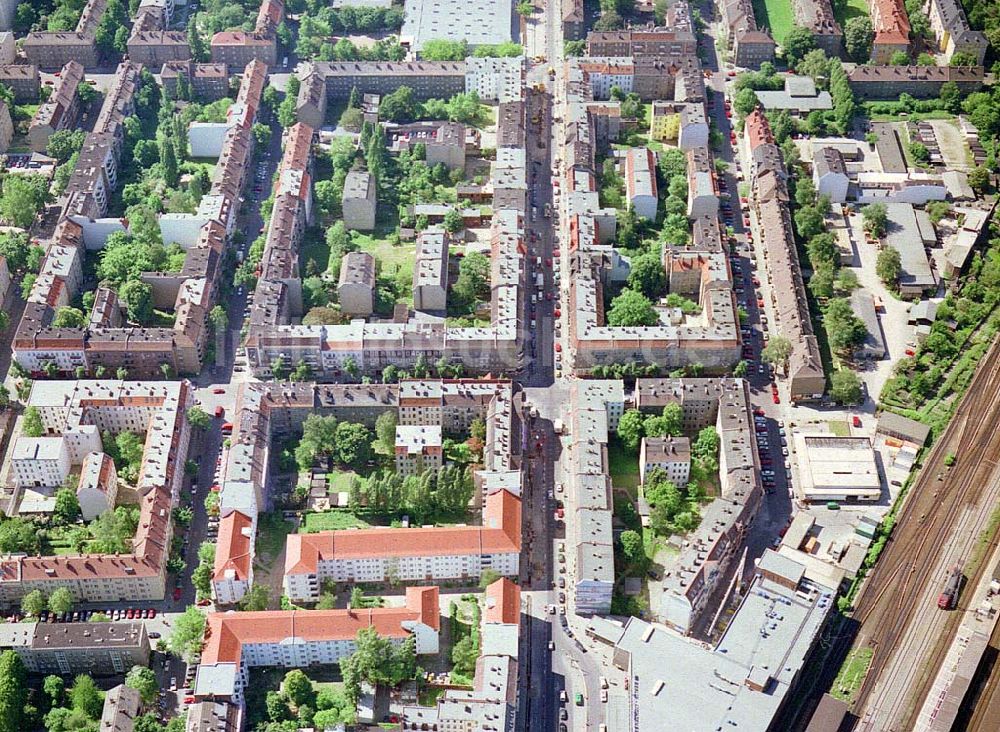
[750, 45]
[77, 412]
[39, 462]
[143, 352]
[672, 455]
[265, 411]
[712, 337]
[495, 79]
[711, 553]
[892, 29]
[59, 112]
[430, 271]
[703, 184]
[685, 124]
[817, 17]
[23, 80]
[418, 448]
[53, 50]
[356, 287]
[235, 642]
[888, 82]
[492, 702]
[359, 202]
[595, 408]
[830, 174]
[237, 49]
[157, 47]
[952, 31]
[97, 649]
[769, 192]
[335, 80]
[208, 82]
[407, 555]
[121, 708]
[98, 486]
[640, 182]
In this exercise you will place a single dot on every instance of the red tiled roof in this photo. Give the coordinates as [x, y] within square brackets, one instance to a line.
[226, 633]
[234, 546]
[500, 533]
[503, 602]
[758, 129]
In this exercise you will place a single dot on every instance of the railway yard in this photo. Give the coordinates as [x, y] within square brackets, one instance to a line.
[944, 517]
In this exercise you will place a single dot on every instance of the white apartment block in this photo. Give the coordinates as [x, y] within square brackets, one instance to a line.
[495, 79]
[98, 486]
[238, 641]
[39, 462]
[418, 448]
[406, 555]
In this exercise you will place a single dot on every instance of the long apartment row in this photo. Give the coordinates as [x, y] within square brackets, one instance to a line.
[74, 414]
[265, 410]
[769, 194]
[371, 346]
[106, 341]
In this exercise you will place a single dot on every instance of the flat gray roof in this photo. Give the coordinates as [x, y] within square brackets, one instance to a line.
[480, 22]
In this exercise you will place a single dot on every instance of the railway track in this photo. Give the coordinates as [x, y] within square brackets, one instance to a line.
[894, 596]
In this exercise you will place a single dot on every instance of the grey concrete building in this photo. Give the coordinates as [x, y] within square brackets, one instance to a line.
[356, 288]
[359, 202]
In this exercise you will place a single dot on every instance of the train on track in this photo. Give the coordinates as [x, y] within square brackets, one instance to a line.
[948, 596]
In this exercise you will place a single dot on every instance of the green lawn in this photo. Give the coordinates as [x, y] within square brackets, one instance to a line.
[844, 10]
[839, 428]
[271, 532]
[624, 466]
[852, 674]
[775, 15]
[341, 480]
[331, 521]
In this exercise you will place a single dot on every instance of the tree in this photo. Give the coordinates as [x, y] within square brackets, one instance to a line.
[22, 198]
[858, 37]
[31, 423]
[647, 275]
[876, 219]
[473, 280]
[575, 48]
[630, 428]
[63, 143]
[843, 328]
[525, 8]
[453, 220]
[67, 506]
[979, 178]
[198, 418]
[257, 598]
[144, 681]
[745, 102]
[919, 152]
[809, 222]
[67, 317]
[199, 51]
[385, 430]
[86, 697]
[354, 444]
[899, 58]
[54, 688]
[189, 628]
[61, 600]
[631, 308]
[138, 299]
[777, 351]
[298, 689]
[963, 58]
[13, 691]
[888, 266]
[33, 603]
[632, 546]
[400, 105]
[798, 42]
[845, 387]
[442, 50]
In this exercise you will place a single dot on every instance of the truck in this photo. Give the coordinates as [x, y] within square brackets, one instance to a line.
[539, 280]
[557, 425]
[948, 596]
